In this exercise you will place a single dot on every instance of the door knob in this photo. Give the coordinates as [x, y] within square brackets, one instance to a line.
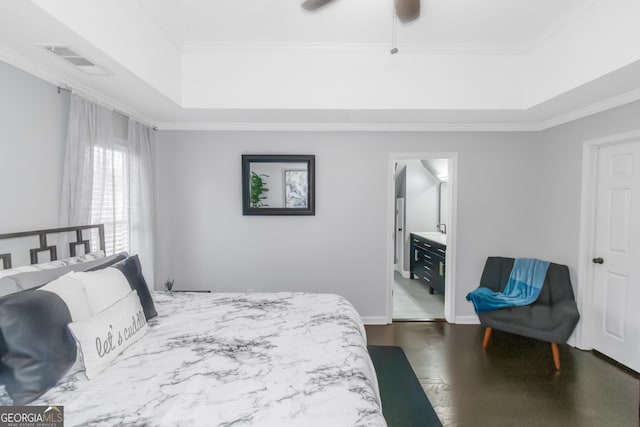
[598, 260]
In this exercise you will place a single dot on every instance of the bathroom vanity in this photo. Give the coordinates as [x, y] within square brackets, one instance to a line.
[428, 259]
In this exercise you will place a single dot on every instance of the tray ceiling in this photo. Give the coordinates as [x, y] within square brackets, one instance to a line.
[270, 65]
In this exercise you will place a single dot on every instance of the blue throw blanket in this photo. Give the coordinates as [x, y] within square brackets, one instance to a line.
[523, 288]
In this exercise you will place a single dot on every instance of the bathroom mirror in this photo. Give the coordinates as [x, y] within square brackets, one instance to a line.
[278, 184]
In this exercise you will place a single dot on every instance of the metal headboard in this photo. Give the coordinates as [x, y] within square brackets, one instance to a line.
[52, 249]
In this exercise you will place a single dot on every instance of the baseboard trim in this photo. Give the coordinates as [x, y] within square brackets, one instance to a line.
[617, 364]
[374, 320]
[381, 320]
[405, 274]
[467, 320]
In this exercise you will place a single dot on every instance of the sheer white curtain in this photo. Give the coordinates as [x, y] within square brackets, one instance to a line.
[109, 180]
[141, 200]
[89, 126]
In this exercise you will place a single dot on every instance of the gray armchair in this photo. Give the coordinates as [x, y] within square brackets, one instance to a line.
[552, 317]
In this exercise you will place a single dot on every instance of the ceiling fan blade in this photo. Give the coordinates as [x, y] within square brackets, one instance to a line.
[314, 4]
[407, 10]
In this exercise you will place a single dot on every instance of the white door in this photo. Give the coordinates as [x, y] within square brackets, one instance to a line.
[399, 234]
[616, 268]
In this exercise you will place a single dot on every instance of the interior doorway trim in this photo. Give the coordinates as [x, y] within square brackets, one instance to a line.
[450, 266]
[584, 298]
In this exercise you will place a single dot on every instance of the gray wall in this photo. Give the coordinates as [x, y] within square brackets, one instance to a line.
[204, 242]
[33, 121]
[518, 195]
[560, 157]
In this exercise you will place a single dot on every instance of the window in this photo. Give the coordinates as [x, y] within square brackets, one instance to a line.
[110, 195]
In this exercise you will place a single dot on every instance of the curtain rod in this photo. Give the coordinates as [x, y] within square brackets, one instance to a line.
[66, 88]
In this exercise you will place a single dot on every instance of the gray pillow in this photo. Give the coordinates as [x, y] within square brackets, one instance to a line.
[36, 346]
[34, 279]
[133, 272]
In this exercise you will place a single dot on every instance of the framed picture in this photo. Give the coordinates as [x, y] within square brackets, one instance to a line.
[278, 184]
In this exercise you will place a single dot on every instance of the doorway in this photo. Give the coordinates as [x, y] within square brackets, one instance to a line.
[422, 218]
[610, 248]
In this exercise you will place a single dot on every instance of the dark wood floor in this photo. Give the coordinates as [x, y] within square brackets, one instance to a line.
[513, 383]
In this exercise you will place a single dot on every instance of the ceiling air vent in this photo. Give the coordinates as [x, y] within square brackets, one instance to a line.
[75, 59]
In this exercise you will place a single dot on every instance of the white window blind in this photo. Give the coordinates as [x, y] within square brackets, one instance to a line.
[110, 198]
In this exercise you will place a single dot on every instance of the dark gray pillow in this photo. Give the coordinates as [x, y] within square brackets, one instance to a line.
[36, 346]
[132, 270]
[34, 279]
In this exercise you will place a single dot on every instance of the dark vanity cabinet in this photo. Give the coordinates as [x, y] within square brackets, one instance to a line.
[428, 259]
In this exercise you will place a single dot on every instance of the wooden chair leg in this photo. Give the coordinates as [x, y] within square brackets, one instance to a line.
[487, 334]
[556, 355]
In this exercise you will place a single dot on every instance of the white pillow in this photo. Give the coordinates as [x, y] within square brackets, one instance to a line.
[8, 286]
[104, 336]
[72, 292]
[91, 256]
[103, 287]
[53, 264]
[16, 270]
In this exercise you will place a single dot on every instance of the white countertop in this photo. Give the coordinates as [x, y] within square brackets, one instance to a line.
[434, 236]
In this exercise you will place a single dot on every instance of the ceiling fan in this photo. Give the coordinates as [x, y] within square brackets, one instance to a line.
[406, 10]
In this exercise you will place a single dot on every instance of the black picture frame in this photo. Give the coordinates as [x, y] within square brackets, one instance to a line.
[249, 159]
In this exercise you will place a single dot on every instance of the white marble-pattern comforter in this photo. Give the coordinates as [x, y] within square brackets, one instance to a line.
[259, 359]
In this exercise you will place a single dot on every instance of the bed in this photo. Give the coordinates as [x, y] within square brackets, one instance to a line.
[233, 359]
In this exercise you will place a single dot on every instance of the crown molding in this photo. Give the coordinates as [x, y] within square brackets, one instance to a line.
[28, 66]
[589, 110]
[350, 127]
[580, 113]
[413, 48]
[12, 58]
